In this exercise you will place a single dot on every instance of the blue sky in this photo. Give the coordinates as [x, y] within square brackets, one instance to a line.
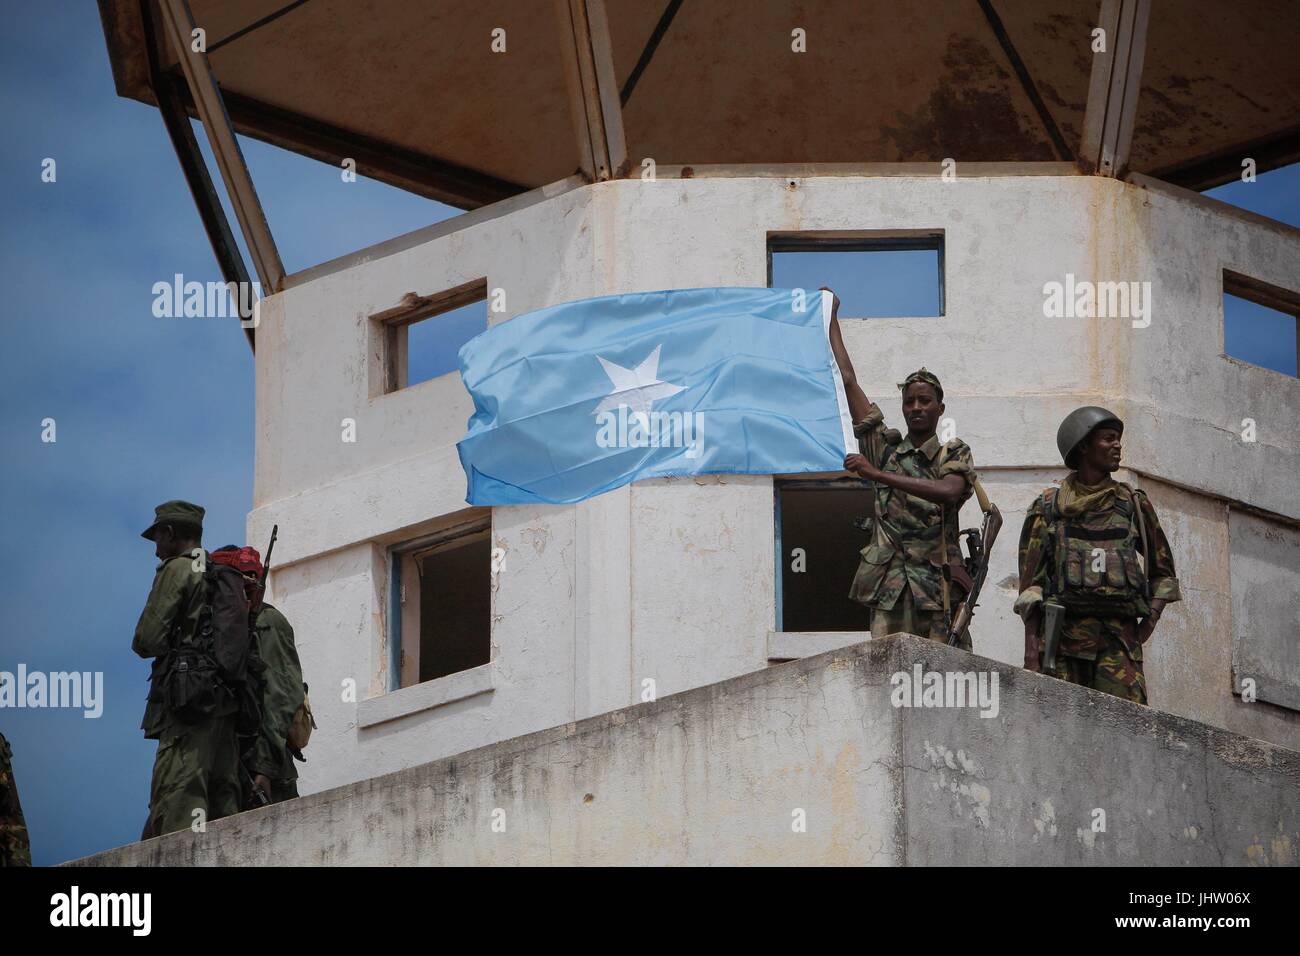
[148, 409]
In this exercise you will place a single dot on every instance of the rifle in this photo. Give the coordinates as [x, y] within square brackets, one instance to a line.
[266, 565]
[256, 604]
[257, 796]
[979, 542]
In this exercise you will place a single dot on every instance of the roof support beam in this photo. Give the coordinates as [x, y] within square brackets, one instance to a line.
[1113, 89]
[221, 135]
[652, 44]
[1026, 81]
[171, 106]
[593, 90]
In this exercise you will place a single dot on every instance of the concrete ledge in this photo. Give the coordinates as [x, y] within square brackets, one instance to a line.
[425, 696]
[812, 762]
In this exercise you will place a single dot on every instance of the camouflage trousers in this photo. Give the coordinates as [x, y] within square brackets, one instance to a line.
[15, 849]
[197, 768]
[905, 617]
[1117, 669]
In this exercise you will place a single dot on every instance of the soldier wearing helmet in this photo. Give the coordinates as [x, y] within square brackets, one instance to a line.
[1093, 558]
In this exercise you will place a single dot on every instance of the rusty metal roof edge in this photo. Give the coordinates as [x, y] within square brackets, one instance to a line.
[964, 170]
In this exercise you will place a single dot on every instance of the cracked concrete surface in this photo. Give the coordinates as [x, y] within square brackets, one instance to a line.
[805, 763]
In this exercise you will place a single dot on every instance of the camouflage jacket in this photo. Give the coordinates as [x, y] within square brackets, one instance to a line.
[904, 549]
[282, 692]
[1037, 565]
[15, 849]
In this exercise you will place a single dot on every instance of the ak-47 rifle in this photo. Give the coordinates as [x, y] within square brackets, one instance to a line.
[256, 795]
[260, 591]
[979, 542]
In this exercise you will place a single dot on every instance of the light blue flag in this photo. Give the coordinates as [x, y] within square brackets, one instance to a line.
[577, 399]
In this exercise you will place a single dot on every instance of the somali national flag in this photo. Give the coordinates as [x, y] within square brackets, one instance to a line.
[577, 399]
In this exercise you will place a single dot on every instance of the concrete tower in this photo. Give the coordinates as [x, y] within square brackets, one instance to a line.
[608, 147]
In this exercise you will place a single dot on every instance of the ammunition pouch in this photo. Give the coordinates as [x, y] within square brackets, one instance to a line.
[191, 689]
[1112, 590]
[1096, 569]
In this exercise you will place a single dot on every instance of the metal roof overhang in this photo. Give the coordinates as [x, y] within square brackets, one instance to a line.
[412, 90]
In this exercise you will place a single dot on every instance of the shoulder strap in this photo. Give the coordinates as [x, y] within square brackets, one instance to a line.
[1146, 544]
[1056, 541]
[1049, 506]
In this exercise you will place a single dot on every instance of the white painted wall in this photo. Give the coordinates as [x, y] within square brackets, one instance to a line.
[673, 580]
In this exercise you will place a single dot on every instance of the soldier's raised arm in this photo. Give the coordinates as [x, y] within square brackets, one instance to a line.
[859, 405]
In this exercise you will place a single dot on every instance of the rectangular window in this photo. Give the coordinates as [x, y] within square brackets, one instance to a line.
[817, 549]
[1261, 323]
[420, 338]
[876, 274]
[441, 602]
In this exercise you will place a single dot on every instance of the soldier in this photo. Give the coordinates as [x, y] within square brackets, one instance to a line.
[269, 757]
[911, 574]
[190, 712]
[1078, 562]
[15, 850]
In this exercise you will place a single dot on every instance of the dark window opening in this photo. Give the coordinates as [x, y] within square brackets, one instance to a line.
[1261, 323]
[443, 593]
[817, 549]
[899, 275]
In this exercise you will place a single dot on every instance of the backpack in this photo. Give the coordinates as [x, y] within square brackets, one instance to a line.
[216, 671]
[225, 630]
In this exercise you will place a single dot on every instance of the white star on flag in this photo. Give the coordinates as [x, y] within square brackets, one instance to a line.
[636, 387]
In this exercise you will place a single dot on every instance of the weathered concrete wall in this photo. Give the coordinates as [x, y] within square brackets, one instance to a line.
[809, 762]
[674, 581]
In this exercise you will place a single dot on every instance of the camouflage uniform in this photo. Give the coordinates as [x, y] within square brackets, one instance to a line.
[900, 577]
[197, 764]
[15, 849]
[282, 694]
[1099, 645]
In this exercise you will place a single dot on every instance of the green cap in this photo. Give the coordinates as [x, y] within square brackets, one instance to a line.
[174, 512]
[923, 375]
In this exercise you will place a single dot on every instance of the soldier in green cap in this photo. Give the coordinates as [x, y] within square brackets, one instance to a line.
[1087, 601]
[190, 712]
[15, 850]
[911, 574]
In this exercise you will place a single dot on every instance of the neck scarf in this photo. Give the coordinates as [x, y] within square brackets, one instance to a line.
[1075, 498]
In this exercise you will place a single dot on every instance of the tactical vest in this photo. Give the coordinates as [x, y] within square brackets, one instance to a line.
[1093, 558]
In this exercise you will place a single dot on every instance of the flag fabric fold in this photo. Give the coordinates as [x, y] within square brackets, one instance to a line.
[576, 399]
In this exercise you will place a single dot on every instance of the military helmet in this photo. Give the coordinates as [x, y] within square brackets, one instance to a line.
[1078, 425]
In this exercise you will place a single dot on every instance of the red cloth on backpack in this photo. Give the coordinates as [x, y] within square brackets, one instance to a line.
[246, 560]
